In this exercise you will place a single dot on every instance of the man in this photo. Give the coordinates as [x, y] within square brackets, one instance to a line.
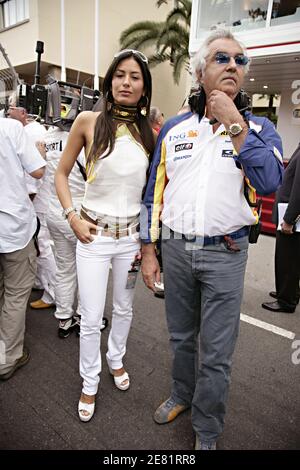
[198, 172]
[39, 193]
[18, 224]
[287, 250]
[156, 119]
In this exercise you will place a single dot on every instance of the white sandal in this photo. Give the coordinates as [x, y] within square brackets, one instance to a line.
[119, 381]
[89, 408]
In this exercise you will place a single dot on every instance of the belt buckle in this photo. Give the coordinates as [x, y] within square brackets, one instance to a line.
[117, 231]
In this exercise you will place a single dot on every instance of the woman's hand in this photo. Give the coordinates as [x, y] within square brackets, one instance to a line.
[81, 229]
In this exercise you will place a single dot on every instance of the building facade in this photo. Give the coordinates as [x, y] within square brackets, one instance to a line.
[23, 22]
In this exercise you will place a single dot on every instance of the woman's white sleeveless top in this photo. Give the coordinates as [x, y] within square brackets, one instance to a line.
[115, 183]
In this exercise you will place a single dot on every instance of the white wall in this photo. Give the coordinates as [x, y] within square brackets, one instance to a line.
[19, 42]
[287, 126]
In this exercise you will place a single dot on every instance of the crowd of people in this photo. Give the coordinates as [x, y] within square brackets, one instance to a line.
[124, 189]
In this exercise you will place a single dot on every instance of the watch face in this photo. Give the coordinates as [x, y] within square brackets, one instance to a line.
[235, 129]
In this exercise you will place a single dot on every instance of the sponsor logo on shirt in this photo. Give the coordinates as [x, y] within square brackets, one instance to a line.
[181, 157]
[186, 146]
[224, 133]
[183, 135]
[227, 153]
[54, 146]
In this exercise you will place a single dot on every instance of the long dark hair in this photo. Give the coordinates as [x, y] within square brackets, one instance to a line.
[105, 127]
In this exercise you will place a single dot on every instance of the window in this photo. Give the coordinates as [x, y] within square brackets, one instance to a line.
[13, 12]
[236, 14]
[285, 12]
[245, 15]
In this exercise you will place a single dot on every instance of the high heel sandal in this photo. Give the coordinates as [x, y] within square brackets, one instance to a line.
[120, 379]
[89, 408]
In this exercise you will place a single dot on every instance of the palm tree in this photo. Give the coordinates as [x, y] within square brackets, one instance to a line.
[170, 38]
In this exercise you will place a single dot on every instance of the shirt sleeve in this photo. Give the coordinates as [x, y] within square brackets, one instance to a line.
[261, 157]
[27, 152]
[153, 198]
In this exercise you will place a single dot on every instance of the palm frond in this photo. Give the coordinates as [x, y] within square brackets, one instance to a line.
[174, 36]
[181, 61]
[142, 26]
[169, 39]
[186, 5]
[178, 14]
[161, 2]
[158, 58]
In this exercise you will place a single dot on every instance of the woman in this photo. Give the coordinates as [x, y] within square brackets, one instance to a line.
[118, 143]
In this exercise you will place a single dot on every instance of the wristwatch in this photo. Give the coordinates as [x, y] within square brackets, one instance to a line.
[68, 211]
[235, 129]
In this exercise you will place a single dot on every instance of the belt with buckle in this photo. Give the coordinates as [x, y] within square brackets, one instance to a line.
[217, 239]
[103, 229]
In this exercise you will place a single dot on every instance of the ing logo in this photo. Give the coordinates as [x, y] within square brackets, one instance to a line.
[192, 134]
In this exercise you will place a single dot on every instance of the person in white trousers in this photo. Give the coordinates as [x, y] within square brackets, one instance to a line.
[118, 142]
[39, 193]
[66, 288]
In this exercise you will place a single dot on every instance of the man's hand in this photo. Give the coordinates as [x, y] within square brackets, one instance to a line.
[287, 229]
[41, 146]
[150, 267]
[223, 108]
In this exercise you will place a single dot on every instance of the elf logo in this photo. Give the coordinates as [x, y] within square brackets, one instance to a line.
[186, 146]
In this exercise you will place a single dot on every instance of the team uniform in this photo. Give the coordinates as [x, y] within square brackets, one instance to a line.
[18, 225]
[46, 267]
[197, 189]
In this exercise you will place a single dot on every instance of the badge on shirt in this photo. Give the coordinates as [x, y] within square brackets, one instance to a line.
[185, 146]
[227, 153]
[132, 274]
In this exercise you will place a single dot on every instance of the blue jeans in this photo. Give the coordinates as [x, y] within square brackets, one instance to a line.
[203, 293]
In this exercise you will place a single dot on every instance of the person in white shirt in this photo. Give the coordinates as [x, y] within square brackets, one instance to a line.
[197, 187]
[63, 236]
[118, 143]
[18, 224]
[39, 193]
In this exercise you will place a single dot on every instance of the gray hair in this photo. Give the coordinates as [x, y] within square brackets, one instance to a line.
[198, 62]
[154, 114]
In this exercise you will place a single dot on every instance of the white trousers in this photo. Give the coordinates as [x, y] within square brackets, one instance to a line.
[66, 276]
[93, 263]
[46, 266]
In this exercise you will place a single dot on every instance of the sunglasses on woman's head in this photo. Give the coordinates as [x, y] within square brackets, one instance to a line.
[133, 52]
[223, 58]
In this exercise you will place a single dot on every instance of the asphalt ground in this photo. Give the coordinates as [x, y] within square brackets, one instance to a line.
[38, 405]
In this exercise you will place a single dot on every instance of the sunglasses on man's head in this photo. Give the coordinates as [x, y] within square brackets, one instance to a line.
[133, 52]
[18, 108]
[223, 58]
